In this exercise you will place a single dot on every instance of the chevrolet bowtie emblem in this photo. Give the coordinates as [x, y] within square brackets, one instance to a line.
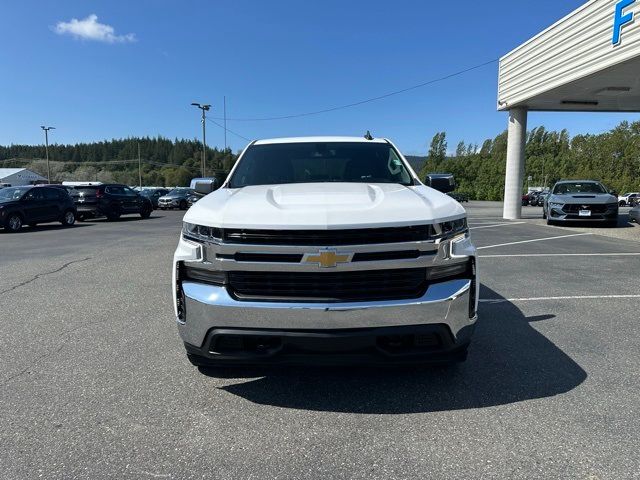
[327, 258]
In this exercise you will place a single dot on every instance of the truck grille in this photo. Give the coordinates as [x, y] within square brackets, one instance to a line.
[329, 287]
[365, 236]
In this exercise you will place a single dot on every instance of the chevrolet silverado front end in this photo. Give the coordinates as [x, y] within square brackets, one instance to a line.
[329, 251]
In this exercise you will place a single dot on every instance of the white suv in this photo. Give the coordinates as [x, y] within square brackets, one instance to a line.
[627, 199]
[325, 250]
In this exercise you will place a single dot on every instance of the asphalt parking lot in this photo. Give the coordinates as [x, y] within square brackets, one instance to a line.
[95, 384]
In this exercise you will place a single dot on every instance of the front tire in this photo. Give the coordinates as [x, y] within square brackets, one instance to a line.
[68, 219]
[622, 203]
[146, 212]
[13, 223]
[183, 205]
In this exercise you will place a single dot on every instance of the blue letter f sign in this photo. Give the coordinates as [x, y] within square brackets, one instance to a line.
[621, 19]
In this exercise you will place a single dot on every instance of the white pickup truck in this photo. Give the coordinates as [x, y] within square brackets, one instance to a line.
[325, 250]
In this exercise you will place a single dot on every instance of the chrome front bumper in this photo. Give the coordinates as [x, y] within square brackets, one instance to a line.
[208, 307]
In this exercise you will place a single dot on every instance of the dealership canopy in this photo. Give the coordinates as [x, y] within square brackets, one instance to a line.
[587, 62]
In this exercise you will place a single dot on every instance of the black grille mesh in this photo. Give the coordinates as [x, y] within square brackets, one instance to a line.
[330, 287]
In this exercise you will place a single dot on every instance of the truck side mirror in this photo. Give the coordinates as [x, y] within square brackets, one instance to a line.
[204, 186]
[444, 184]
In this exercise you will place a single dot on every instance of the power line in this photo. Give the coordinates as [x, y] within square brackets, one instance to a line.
[227, 130]
[362, 102]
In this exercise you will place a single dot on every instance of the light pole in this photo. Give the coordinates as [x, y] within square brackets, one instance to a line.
[139, 168]
[205, 109]
[46, 146]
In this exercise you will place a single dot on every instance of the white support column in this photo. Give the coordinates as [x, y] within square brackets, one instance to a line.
[515, 163]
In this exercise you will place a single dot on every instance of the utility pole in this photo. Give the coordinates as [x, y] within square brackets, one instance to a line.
[139, 167]
[205, 109]
[46, 146]
[225, 122]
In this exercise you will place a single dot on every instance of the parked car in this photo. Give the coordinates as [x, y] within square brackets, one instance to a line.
[580, 201]
[176, 198]
[541, 199]
[67, 188]
[628, 199]
[31, 205]
[634, 214]
[193, 199]
[533, 198]
[154, 194]
[110, 200]
[293, 271]
[525, 199]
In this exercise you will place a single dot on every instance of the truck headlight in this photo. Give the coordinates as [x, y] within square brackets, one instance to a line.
[201, 233]
[453, 228]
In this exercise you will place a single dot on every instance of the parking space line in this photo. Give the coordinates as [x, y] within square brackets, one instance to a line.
[494, 225]
[575, 297]
[524, 255]
[534, 240]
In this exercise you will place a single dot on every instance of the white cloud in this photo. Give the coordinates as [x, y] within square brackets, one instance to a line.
[90, 29]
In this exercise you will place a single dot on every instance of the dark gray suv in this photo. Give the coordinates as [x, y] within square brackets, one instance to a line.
[176, 198]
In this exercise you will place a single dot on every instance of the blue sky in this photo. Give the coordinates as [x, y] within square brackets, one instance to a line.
[269, 58]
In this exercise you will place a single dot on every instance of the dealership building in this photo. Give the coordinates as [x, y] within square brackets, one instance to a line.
[19, 176]
[589, 61]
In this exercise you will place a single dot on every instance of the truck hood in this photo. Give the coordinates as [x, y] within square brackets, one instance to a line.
[583, 198]
[323, 206]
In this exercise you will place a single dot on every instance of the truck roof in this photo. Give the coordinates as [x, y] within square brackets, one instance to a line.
[271, 141]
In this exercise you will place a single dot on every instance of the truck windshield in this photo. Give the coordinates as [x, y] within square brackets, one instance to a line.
[351, 162]
[578, 187]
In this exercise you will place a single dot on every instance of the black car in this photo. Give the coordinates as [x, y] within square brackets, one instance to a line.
[533, 198]
[154, 194]
[111, 201]
[30, 205]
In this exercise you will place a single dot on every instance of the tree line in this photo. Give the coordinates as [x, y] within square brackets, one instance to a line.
[164, 162]
[612, 157]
